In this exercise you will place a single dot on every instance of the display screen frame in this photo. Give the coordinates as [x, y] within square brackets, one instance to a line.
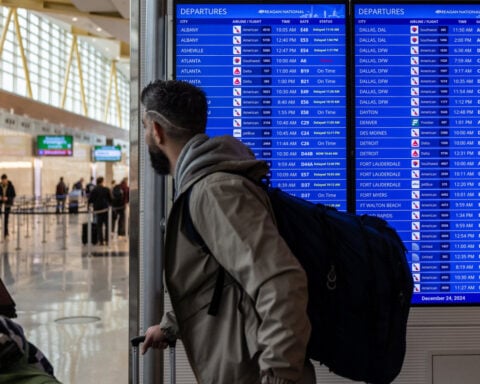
[107, 153]
[340, 166]
[352, 106]
[446, 258]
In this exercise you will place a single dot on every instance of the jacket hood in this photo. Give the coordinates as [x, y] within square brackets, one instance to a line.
[203, 155]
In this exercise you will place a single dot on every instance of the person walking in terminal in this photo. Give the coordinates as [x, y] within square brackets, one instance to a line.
[101, 198]
[261, 330]
[89, 187]
[113, 183]
[79, 185]
[61, 195]
[120, 194]
[7, 198]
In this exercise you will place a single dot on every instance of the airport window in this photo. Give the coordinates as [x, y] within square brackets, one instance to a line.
[34, 30]
[47, 49]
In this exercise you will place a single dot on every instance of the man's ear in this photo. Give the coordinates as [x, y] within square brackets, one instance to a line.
[159, 133]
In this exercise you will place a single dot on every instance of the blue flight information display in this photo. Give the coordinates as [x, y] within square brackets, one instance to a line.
[417, 137]
[275, 77]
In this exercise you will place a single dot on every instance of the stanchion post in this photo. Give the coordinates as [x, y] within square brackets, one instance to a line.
[27, 221]
[13, 221]
[44, 225]
[127, 220]
[22, 207]
[109, 227]
[65, 221]
[50, 219]
[89, 231]
[18, 232]
[39, 204]
[2, 218]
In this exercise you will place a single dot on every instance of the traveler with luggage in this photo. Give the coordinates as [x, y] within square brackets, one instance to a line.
[115, 201]
[261, 330]
[120, 196]
[7, 197]
[79, 186]
[101, 199]
[61, 191]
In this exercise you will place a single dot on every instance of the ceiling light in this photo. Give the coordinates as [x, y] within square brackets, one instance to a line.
[74, 19]
[99, 29]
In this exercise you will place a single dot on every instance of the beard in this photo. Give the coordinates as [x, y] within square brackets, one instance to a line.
[160, 162]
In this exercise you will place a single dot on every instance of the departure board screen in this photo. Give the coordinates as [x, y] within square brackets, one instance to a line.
[275, 77]
[417, 126]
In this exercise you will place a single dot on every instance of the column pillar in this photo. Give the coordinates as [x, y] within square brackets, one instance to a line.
[109, 168]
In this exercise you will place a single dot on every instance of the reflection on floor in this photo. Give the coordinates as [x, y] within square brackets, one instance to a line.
[71, 299]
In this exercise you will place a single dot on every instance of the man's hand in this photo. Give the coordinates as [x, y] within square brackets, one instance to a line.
[155, 338]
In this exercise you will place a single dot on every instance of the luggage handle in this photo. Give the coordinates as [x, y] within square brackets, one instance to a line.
[135, 342]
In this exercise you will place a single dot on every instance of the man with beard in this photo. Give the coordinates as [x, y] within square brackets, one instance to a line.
[261, 330]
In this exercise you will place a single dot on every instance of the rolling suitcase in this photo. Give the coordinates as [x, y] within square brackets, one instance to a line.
[136, 341]
[73, 207]
[85, 233]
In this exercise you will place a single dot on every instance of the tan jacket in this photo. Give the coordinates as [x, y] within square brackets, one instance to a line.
[262, 324]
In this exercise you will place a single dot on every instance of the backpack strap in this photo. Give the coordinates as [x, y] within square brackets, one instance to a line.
[195, 237]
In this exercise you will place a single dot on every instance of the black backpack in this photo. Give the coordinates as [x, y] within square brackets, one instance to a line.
[117, 193]
[359, 283]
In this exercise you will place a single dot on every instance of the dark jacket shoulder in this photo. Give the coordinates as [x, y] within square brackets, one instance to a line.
[100, 197]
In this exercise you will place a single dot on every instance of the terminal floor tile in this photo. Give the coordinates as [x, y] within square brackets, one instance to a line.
[71, 299]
